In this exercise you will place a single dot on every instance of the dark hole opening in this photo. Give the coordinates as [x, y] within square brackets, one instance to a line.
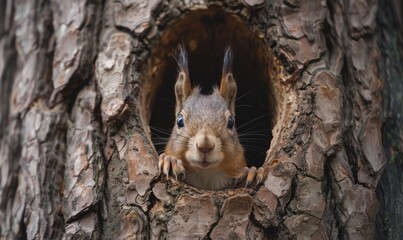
[205, 35]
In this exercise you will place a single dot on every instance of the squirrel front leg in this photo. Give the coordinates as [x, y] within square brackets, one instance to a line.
[168, 163]
[252, 175]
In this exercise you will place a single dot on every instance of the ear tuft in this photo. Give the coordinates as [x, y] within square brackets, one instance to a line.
[182, 60]
[228, 86]
[227, 65]
[183, 88]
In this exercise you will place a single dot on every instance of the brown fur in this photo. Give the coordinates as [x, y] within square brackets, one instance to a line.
[206, 117]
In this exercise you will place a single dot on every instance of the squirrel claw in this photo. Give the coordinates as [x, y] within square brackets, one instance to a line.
[260, 175]
[252, 176]
[167, 164]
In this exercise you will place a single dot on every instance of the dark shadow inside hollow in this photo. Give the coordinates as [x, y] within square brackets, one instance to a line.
[205, 35]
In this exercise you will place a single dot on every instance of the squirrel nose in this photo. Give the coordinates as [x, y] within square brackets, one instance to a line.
[205, 149]
[205, 144]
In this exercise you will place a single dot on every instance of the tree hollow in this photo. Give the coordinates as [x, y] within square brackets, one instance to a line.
[206, 34]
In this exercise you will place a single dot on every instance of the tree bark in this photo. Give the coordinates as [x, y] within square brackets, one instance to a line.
[77, 86]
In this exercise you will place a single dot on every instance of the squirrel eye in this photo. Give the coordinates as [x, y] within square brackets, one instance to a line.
[179, 121]
[230, 122]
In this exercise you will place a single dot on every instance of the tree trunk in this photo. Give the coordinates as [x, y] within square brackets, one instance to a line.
[82, 81]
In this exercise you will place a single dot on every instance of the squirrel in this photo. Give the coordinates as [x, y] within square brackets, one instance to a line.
[204, 149]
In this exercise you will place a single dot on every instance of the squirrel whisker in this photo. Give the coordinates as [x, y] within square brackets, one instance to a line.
[254, 120]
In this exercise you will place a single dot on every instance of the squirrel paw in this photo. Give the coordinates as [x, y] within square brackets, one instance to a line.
[167, 164]
[252, 175]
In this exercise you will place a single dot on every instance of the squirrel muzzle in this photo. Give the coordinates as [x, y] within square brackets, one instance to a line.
[205, 150]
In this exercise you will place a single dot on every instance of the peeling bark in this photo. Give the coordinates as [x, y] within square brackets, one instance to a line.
[78, 86]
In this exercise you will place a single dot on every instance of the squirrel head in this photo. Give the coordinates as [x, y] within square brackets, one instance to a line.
[204, 134]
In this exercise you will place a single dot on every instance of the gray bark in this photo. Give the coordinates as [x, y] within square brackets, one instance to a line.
[78, 89]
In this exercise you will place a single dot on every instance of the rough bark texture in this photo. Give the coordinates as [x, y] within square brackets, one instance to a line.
[76, 157]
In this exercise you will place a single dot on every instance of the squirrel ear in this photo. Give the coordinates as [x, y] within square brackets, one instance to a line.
[228, 91]
[183, 88]
[228, 86]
